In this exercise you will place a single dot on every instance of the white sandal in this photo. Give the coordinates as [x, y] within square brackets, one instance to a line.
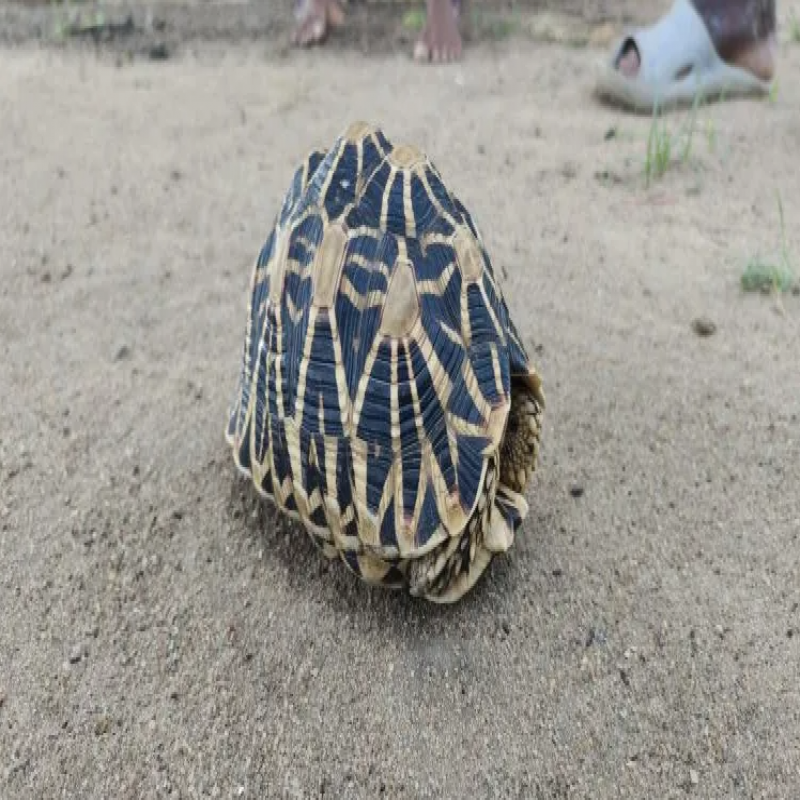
[678, 63]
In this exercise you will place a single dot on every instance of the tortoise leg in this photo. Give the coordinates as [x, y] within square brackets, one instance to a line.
[743, 33]
[314, 18]
[450, 570]
[520, 448]
[440, 39]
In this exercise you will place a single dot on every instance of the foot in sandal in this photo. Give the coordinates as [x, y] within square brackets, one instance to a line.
[710, 48]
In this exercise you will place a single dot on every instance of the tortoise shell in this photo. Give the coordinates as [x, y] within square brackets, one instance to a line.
[385, 398]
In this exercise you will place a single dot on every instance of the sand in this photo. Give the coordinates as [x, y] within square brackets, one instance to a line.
[165, 635]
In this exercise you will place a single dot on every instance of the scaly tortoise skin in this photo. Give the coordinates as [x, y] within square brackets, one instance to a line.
[385, 399]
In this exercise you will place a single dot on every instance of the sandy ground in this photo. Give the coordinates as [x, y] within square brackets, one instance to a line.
[163, 635]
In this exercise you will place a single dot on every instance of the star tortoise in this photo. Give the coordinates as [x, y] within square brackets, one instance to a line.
[385, 398]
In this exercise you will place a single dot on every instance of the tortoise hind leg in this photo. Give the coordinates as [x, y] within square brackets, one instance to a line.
[450, 570]
[447, 573]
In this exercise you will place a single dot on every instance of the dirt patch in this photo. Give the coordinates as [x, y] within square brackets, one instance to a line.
[165, 635]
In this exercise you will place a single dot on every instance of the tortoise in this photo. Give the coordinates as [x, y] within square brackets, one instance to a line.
[385, 398]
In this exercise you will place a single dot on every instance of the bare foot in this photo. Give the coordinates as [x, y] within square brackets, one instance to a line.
[314, 18]
[440, 40]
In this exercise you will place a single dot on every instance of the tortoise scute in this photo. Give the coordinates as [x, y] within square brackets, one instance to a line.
[401, 309]
[385, 399]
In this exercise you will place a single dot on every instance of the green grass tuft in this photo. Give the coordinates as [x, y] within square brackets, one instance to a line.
[414, 19]
[766, 276]
[662, 143]
[794, 28]
[659, 149]
[494, 25]
[761, 276]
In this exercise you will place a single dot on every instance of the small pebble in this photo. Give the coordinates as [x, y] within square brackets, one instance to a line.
[123, 353]
[694, 777]
[703, 326]
[76, 654]
[576, 490]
